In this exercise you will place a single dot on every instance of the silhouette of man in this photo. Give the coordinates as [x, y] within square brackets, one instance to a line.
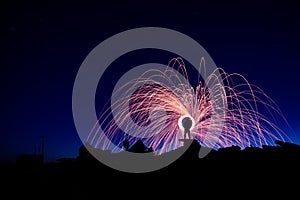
[187, 124]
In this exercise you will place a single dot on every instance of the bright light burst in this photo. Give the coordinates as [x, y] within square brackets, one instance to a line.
[250, 117]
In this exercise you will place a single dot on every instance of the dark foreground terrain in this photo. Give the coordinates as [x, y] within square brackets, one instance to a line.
[270, 171]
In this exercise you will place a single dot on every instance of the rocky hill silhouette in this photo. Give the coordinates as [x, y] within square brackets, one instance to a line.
[230, 168]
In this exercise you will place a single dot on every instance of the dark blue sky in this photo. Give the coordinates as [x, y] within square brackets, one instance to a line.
[43, 45]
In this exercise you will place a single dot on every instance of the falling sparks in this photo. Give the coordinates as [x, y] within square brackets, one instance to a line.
[151, 110]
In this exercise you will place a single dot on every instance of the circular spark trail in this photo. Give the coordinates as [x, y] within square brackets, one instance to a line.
[180, 122]
[250, 114]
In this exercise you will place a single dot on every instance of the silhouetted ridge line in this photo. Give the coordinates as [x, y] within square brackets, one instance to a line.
[138, 147]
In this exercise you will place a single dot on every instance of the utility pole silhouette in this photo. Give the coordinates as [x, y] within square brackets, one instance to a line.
[43, 146]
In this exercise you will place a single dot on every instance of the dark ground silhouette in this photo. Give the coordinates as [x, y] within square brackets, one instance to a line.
[138, 147]
[270, 170]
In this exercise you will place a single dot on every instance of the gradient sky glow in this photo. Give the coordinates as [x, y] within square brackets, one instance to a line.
[44, 44]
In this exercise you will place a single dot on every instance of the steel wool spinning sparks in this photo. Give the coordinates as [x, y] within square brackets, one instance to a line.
[154, 106]
[186, 118]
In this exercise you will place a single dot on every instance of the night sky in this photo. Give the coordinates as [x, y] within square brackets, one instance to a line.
[43, 45]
